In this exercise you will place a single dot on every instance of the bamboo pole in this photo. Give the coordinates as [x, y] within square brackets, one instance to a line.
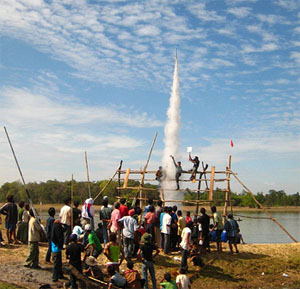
[211, 188]
[175, 201]
[87, 174]
[136, 172]
[263, 208]
[227, 186]
[119, 177]
[110, 180]
[146, 165]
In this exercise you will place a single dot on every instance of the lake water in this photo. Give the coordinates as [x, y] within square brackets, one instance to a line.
[266, 231]
[261, 231]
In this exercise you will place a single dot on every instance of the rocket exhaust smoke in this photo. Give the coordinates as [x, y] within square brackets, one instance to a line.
[172, 129]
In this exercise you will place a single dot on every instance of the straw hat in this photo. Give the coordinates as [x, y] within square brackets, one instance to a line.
[91, 261]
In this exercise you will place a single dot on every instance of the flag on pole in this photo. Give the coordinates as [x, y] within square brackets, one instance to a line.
[231, 143]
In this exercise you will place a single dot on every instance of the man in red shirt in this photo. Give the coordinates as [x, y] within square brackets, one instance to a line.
[123, 208]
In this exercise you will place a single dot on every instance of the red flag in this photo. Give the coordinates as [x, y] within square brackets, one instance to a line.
[231, 143]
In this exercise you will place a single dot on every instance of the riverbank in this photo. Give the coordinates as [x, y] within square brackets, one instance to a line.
[256, 266]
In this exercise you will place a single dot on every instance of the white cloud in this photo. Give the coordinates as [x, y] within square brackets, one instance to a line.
[240, 12]
[296, 57]
[200, 11]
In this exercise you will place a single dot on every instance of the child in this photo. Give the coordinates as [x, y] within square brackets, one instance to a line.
[195, 255]
[93, 269]
[115, 278]
[188, 217]
[133, 277]
[49, 226]
[112, 251]
[239, 238]
[73, 253]
[182, 280]
[170, 284]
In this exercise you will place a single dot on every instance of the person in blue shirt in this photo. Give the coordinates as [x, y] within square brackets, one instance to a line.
[49, 226]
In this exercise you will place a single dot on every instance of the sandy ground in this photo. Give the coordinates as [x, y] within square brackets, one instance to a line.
[256, 266]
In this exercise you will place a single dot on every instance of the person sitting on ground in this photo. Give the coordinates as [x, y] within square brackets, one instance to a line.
[10, 210]
[183, 280]
[239, 238]
[115, 278]
[112, 251]
[169, 283]
[93, 268]
[73, 254]
[77, 230]
[133, 277]
[195, 255]
[93, 247]
[196, 163]
[49, 226]
[231, 227]
[178, 172]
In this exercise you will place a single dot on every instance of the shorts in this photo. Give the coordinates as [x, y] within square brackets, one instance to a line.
[232, 240]
[9, 226]
[218, 235]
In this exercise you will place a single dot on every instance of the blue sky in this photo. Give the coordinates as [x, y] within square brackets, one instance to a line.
[96, 76]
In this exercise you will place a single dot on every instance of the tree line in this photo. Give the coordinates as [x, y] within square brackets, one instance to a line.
[53, 191]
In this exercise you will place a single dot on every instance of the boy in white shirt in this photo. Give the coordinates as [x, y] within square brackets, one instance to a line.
[183, 280]
[166, 229]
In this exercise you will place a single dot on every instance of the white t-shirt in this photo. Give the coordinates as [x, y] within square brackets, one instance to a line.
[184, 238]
[183, 280]
[65, 215]
[167, 219]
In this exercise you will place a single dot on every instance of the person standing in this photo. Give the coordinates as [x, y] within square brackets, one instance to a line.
[76, 212]
[150, 220]
[123, 208]
[186, 237]
[196, 163]
[57, 243]
[49, 227]
[114, 222]
[204, 221]
[88, 212]
[20, 215]
[174, 228]
[73, 254]
[130, 226]
[218, 227]
[10, 210]
[158, 211]
[105, 215]
[178, 171]
[232, 227]
[146, 254]
[65, 219]
[166, 229]
[34, 235]
[181, 225]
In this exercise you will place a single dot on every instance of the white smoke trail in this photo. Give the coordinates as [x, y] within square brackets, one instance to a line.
[172, 129]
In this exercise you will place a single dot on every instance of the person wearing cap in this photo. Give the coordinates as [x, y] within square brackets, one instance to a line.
[93, 247]
[105, 215]
[130, 226]
[73, 254]
[93, 269]
[146, 254]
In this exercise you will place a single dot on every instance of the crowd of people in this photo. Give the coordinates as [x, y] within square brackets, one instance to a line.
[124, 233]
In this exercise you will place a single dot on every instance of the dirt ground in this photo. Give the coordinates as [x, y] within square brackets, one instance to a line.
[256, 266]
